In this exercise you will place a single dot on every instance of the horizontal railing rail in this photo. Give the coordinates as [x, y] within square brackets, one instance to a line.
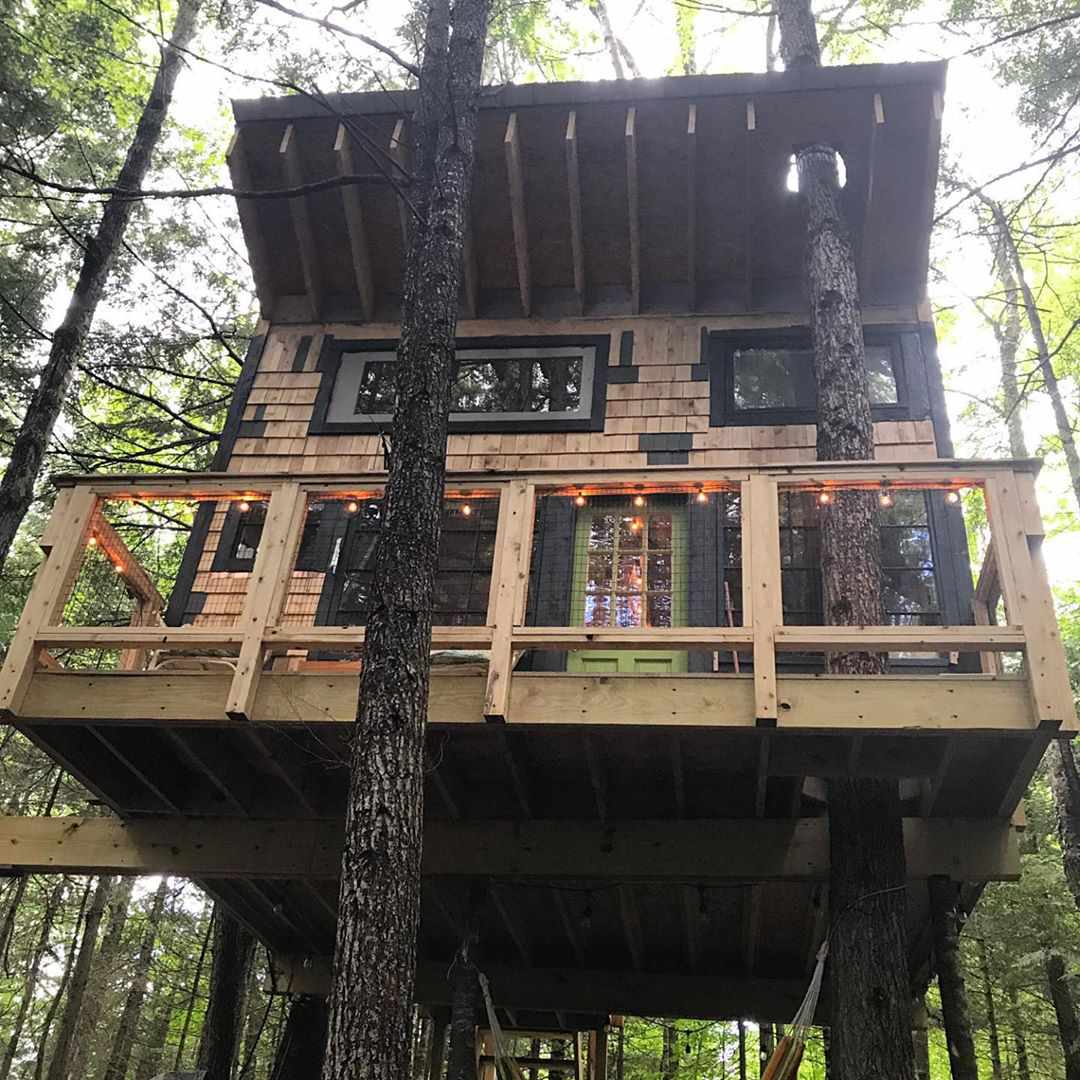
[1014, 572]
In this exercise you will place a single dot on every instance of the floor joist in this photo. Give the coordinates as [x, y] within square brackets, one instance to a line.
[686, 851]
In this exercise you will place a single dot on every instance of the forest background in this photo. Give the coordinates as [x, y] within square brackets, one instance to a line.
[155, 375]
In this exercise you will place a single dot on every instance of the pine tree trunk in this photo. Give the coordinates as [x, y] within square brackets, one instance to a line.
[102, 969]
[80, 978]
[765, 1047]
[52, 906]
[669, 1055]
[31, 443]
[233, 946]
[954, 1001]
[1065, 1010]
[1008, 339]
[991, 1014]
[61, 990]
[303, 1044]
[256, 1016]
[437, 1059]
[868, 972]
[193, 996]
[124, 1039]
[1023, 1066]
[148, 1063]
[742, 1050]
[1065, 784]
[375, 951]
[920, 1035]
[464, 1004]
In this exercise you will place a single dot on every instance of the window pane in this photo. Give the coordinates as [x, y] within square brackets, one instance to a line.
[628, 610]
[377, 388]
[660, 571]
[630, 533]
[660, 609]
[774, 379]
[517, 384]
[598, 610]
[880, 375]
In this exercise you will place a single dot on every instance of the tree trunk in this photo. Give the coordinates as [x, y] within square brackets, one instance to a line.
[440, 1027]
[669, 1055]
[148, 1063]
[1008, 339]
[1065, 784]
[80, 977]
[31, 443]
[1065, 1010]
[1042, 350]
[868, 971]
[742, 1050]
[464, 1003]
[302, 1046]
[991, 1014]
[954, 1001]
[375, 951]
[765, 1047]
[1023, 1066]
[102, 969]
[124, 1039]
[920, 1035]
[233, 946]
[52, 906]
[193, 996]
[61, 990]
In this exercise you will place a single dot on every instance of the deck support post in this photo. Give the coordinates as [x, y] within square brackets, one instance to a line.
[762, 601]
[266, 593]
[509, 581]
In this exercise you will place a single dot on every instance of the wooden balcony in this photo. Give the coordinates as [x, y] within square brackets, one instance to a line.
[704, 793]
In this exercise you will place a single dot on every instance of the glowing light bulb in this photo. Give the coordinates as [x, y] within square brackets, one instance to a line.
[824, 498]
[701, 497]
[580, 500]
[243, 506]
[639, 500]
[885, 500]
[952, 497]
[351, 507]
[466, 510]
[92, 542]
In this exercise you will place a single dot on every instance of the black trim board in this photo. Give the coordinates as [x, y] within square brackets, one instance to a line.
[200, 527]
[333, 349]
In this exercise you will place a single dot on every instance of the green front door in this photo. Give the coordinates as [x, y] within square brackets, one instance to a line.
[630, 571]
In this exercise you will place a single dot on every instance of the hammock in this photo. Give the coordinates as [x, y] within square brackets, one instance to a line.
[505, 1062]
[786, 1058]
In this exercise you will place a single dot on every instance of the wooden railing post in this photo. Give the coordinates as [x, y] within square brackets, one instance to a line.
[1028, 600]
[267, 588]
[509, 585]
[64, 542]
[762, 600]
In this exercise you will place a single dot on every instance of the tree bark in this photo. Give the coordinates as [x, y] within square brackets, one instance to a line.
[920, 1035]
[464, 1004]
[742, 1050]
[61, 990]
[303, 1044]
[80, 978]
[868, 971]
[233, 946]
[101, 970]
[52, 906]
[124, 1039]
[437, 1058]
[991, 1014]
[375, 951]
[148, 1063]
[31, 443]
[669, 1055]
[1065, 1010]
[765, 1047]
[945, 926]
[1065, 784]
[1008, 339]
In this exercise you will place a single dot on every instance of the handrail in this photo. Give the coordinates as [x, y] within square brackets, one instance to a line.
[1014, 566]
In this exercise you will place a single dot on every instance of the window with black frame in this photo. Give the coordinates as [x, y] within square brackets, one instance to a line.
[909, 587]
[462, 580]
[543, 383]
[767, 378]
[242, 531]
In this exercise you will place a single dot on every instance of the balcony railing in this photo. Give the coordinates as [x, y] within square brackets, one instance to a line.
[263, 626]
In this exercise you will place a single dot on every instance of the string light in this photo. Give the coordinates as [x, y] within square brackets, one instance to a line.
[466, 510]
[351, 507]
[639, 500]
[701, 497]
[92, 542]
[952, 497]
[580, 500]
[824, 498]
[885, 499]
[243, 506]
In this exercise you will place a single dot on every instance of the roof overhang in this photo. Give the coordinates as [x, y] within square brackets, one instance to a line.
[652, 195]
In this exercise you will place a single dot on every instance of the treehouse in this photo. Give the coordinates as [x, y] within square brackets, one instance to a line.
[631, 728]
